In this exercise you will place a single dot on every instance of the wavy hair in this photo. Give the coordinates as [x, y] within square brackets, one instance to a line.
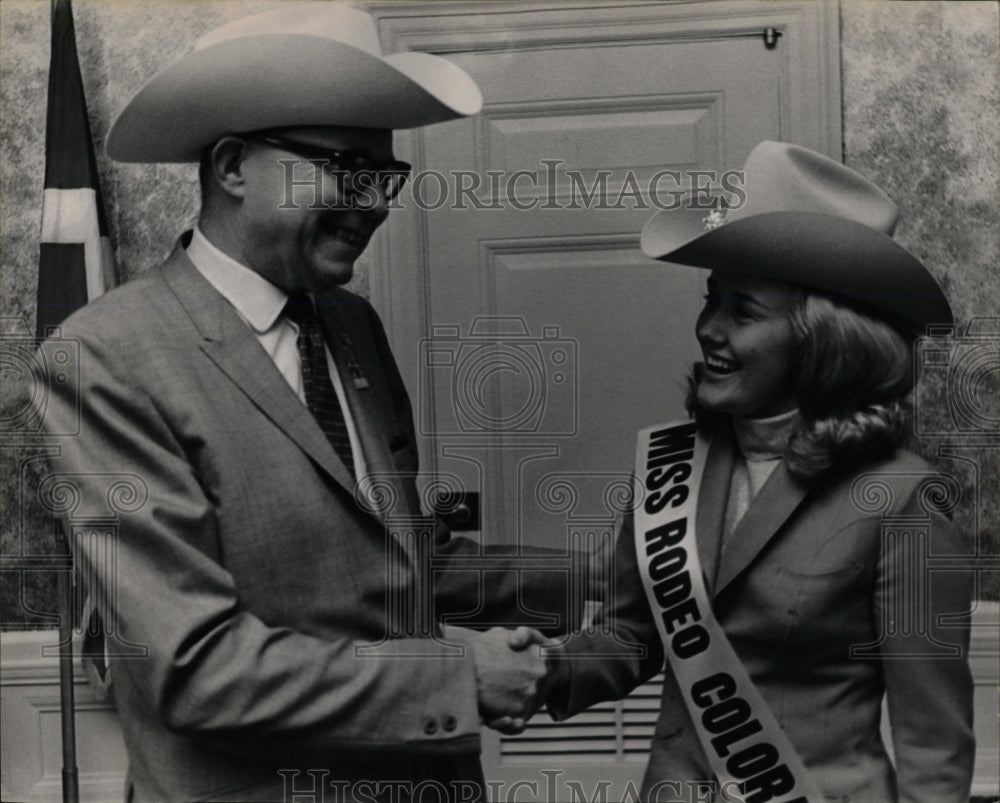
[855, 377]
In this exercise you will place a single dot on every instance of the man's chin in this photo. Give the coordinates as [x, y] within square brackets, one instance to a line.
[328, 274]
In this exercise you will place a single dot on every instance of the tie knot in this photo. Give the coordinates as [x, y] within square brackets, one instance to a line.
[299, 309]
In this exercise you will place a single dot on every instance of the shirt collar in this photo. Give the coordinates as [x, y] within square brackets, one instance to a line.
[255, 298]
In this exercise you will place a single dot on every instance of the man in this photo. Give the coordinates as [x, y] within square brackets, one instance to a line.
[253, 407]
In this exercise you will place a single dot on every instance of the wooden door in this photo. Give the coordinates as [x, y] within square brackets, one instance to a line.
[535, 337]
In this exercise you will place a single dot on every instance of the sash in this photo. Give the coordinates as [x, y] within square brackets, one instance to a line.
[745, 745]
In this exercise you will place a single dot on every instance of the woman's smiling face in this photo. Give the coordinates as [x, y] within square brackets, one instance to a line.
[748, 344]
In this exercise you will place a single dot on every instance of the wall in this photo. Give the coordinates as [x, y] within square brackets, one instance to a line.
[921, 116]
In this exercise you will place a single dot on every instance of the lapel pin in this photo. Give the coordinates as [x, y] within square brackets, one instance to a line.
[351, 363]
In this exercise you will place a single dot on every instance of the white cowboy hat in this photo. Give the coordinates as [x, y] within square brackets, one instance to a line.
[312, 64]
[811, 221]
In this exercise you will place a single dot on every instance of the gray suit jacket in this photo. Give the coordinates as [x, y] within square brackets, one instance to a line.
[809, 573]
[240, 565]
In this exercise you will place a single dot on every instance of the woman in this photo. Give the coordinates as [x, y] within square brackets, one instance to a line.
[806, 338]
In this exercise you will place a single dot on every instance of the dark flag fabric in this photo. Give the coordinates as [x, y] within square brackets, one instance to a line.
[75, 263]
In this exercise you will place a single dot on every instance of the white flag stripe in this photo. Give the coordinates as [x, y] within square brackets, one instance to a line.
[70, 216]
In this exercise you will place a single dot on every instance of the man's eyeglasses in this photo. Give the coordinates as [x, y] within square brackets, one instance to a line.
[388, 176]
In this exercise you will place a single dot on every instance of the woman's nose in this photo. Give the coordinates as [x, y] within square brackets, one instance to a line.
[710, 327]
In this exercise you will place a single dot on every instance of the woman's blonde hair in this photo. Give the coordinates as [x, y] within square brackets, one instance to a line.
[855, 377]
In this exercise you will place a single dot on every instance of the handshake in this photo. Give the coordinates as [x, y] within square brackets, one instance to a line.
[514, 671]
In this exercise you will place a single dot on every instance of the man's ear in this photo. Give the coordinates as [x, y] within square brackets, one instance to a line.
[225, 164]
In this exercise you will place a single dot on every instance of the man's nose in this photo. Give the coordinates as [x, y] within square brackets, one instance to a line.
[367, 194]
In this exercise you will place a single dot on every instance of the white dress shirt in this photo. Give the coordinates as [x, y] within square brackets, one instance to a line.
[260, 304]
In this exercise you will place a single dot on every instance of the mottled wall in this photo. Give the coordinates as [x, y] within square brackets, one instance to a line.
[920, 118]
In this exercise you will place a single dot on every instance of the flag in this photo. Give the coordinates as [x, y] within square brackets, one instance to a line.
[75, 263]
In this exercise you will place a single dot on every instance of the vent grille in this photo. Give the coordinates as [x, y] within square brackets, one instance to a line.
[620, 730]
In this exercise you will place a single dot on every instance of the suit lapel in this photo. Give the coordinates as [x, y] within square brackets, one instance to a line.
[370, 423]
[234, 348]
[711, 513]
[776, 501]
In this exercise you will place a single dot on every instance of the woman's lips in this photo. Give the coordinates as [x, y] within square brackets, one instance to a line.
[720, 365]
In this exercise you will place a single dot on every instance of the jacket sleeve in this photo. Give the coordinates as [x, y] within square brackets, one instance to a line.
[211, 669]
[505, 593]
[929, 685]
[618, 651]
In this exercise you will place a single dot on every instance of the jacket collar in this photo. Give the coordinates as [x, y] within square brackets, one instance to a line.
[777, 500]
[234, 348]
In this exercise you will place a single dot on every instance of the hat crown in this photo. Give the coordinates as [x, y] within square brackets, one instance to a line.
[781, 177]
[307, 64]
[806, 220]
[332, 21]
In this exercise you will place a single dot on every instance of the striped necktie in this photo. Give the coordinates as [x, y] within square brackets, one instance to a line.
[321, 398]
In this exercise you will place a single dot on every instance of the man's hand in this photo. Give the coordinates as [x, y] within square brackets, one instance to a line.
[511, 678]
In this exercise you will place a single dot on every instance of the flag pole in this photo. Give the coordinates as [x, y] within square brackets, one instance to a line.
[70, 777]
[74, 268]
[67, 700]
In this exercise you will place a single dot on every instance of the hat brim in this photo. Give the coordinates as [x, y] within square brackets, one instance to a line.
[280, 80]
[822, 252]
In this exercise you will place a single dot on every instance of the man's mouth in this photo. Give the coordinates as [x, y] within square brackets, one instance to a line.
[720, 365]
[357, 238]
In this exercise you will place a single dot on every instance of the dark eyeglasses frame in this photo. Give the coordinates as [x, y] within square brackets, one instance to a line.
[390, 175]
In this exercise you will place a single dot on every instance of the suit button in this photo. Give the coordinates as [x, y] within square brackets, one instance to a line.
[450, 723]
[430, 727]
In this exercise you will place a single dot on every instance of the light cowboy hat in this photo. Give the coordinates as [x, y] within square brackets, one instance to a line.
[312, 64]
[811, 221]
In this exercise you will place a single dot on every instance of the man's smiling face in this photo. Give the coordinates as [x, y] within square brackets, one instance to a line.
[306, 223]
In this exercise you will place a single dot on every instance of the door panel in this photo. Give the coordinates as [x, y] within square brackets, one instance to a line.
[584, 125]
